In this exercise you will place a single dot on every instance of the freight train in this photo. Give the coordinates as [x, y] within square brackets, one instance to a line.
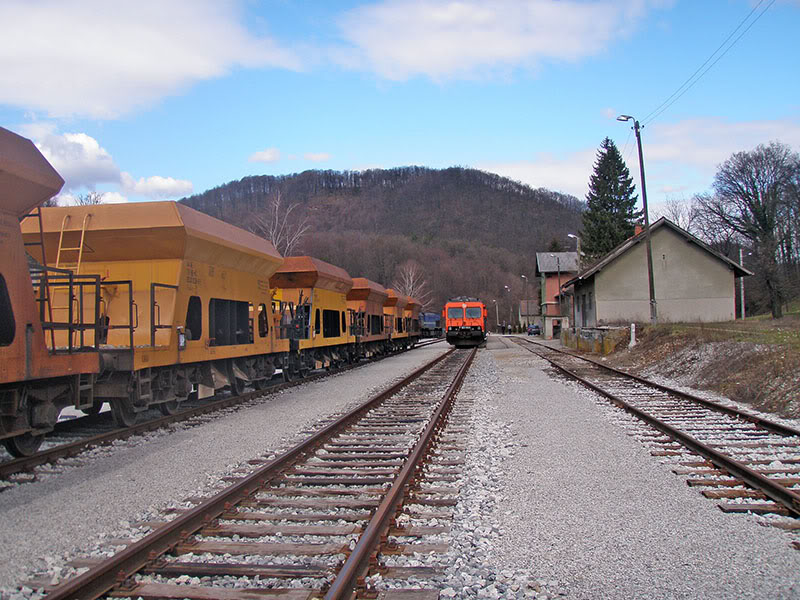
[465, 322]
[144, 304]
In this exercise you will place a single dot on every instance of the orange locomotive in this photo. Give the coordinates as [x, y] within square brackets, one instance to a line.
[465, 322]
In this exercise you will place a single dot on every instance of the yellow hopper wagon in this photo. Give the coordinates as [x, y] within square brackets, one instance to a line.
[365, 302]
[411, 320]
[313, 303]
[395, 308]
[185, 301]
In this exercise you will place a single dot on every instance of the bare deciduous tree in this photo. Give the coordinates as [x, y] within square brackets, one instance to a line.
[281, 224]
[410, 280]
[89, 198]
[708, 227]
[752, 193]
[684, 213]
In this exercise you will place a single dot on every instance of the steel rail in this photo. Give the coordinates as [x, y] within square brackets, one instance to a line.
[113, 571]
[761, 422]
[775, 491]
[357, 563]
[26, 463]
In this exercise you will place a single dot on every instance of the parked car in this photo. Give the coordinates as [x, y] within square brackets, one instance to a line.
[534, 330]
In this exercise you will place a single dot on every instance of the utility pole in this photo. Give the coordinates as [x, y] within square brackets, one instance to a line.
[650, 283]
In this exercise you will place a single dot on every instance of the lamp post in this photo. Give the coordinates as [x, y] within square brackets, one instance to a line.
[496, 316]
[508, 289]
[577, 239]
[651, 285]
[524, 298]
[741, 281]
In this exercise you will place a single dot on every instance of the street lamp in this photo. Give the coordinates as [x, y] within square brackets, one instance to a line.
[496, 316]
[524, 298]
[508, 289]
[653, 308]
[577, 247]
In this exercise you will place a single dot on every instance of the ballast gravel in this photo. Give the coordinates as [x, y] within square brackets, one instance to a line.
[558, 498]
[589, 512]
[96, 498]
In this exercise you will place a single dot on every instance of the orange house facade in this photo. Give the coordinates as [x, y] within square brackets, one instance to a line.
[554, 269]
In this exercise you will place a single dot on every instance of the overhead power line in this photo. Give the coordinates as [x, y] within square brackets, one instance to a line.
[721, 51]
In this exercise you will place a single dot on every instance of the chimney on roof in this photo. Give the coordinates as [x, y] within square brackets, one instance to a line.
[638, 228]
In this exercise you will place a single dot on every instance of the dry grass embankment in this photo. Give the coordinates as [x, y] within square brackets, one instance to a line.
[755, 361]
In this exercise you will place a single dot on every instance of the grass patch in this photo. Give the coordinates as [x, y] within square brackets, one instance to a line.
[753, 361]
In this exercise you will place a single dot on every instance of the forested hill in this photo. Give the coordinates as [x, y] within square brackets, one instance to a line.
[417, 202]
[467, 231]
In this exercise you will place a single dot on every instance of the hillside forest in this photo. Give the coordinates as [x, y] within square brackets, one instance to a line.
[432, 233]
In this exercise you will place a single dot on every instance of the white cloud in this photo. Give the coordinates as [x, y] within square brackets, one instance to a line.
[317, 156]
[706, 143]
[156, 187]
[99, 59]
[84, 163]
[77, 157]
[114, 198]
[399, 39]
[680, 158]
[568, 173]
[267, 156]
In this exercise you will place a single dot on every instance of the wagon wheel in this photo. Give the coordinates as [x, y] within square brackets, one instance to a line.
[288, 375]
[23, 445]
[124, 415]
[237, 385]
[261, 384]
[170, 407]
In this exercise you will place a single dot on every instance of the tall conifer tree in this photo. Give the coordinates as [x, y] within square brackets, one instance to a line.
[611, 214]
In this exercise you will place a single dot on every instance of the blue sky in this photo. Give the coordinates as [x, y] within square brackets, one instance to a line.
[157, 100]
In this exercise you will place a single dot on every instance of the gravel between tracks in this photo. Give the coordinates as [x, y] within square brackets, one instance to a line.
[560, 500]
[43, 523]
[599, 517]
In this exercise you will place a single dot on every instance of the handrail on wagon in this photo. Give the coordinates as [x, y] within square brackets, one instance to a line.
[131, 304]
[154, 307]
[43, 279]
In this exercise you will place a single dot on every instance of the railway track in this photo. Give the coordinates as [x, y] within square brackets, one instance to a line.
[748, 463]
[328, 518]
[72, 437]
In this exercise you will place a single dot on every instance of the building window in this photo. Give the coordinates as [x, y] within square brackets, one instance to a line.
[194, 319]
[8, 327]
